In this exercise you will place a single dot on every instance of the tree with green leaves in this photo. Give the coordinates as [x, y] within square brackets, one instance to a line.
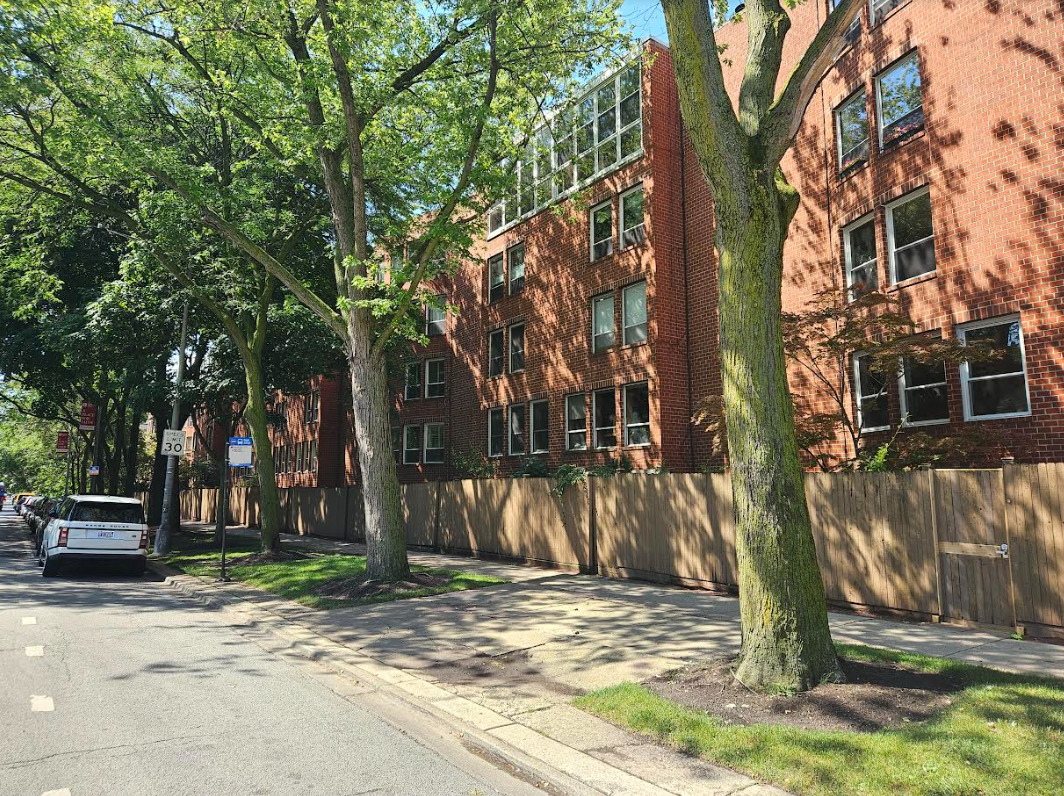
[400, 117]
[786, 641]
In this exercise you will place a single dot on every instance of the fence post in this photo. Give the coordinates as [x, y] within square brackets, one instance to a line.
[592, 529]
[436, 517]
[1007, 463]
[934, 539]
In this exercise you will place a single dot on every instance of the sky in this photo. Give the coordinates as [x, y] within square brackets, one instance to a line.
[647, 19]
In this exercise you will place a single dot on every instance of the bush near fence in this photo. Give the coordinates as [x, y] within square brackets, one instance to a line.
[925, 543]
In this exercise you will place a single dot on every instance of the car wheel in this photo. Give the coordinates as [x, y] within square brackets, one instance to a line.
[51, 567]
[138, 569]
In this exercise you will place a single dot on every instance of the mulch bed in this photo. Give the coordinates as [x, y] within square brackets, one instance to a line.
[874, 696]
[359, 588]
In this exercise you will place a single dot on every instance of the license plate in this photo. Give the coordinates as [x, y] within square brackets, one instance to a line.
[105, 534]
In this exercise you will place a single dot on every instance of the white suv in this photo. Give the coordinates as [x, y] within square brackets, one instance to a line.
[95, 528]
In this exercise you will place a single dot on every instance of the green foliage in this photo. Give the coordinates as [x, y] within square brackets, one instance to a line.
[28, 461]
[474, 464]
[1001, 735]
[612, 467]
[567, 475]
[532, 467]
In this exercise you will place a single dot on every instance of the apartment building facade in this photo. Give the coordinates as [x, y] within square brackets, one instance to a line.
[929, 164]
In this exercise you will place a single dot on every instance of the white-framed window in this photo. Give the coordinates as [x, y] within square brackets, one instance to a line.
[435, 376]
[496, 432]
[870, 388]
[312, 464]
[397, 441]
[853, 33]
[517, 430]
[300, 457]
[997, 387]
[851, 131]
[496, 278]
[859, 249]
[412, 388]
[435, 320]
[899, 100]
[633, 226]
[636, 415]
[496, 352]
[604, 412]
[575, 422]
[282, 416]
[596, 134]
[922, 392]
[601, 230]
[433, 443]
[634, 313]
[411, 444]
[881, 7]
[517, 347]
[540, 426]
[910, 236]
[602, 325]
[311, 407]
[515, 261]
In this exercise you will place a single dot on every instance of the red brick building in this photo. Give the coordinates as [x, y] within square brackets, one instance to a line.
[930, 165]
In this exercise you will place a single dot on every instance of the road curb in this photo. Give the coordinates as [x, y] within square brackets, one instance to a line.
[537, 758]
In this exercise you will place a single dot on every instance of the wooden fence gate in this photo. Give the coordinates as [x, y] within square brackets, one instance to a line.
[975, 572]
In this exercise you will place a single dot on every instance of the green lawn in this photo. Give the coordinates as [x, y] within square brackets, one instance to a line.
[1003, 734]
[298, 579]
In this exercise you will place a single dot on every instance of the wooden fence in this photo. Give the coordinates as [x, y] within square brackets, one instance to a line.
[973, 546]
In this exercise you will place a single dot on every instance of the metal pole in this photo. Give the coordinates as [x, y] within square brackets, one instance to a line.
[97, 438]
[166, 523]
[223, 501]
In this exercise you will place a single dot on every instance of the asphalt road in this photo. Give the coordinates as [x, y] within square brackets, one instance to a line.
[116, 685]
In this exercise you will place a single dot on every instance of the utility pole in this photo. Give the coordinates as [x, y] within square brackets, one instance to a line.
[166, 523]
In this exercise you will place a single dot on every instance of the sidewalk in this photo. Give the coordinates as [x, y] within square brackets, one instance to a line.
[508, 659]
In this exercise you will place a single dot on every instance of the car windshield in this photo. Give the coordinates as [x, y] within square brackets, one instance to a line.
[108, 512]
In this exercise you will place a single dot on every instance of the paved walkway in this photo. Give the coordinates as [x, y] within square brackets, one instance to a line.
[508, 659]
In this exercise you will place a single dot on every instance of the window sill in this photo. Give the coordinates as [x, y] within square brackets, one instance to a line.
[899, 142]
[539, 453]
[637, 447]
[885, 15]
[925, 423]
[628, 346]
[875, 430]
[851, 170]
[576, 450]
[915, 280]
[1009, 416]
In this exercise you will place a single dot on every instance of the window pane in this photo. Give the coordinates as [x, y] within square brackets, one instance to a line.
[853, 132]
[412, 445]
[517, 429]
[861, 258]
[1000, 396]
[926, 404]
[635, 313]
[516, 257]
[919, 374]
[914, 245]
[605, 419]
[540, 427]
[872, 394]
[517, 348]
[899, 91]
[632, 208]
[603, 321]
[495, 353]
[413, 381]
[495, 432]
[575, 422]
[632, 140]
[630, 80]
[1003, 338]
[637, 415]
[496, 277]
[607, 112]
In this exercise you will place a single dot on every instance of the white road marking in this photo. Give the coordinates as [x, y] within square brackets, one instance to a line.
[41, 704]
[29, 620]
[63, 792]
[35, 652]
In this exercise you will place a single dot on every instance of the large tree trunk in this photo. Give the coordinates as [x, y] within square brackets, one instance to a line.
[385, 528]
[269, 498]
[158, 469]
[786, 643]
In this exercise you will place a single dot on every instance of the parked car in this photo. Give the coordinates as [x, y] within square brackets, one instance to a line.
[41, 518]
[20, 498]
[34, 516]
[95, 529]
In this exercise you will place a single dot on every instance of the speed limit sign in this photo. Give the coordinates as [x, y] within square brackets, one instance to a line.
[173, 443]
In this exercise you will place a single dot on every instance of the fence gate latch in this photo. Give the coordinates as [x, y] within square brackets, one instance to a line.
[1003, 550]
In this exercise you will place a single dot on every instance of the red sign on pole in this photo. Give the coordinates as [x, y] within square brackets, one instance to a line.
[62, 443]
[88, 417]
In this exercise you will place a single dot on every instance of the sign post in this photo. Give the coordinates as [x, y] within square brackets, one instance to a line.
[237, 454]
